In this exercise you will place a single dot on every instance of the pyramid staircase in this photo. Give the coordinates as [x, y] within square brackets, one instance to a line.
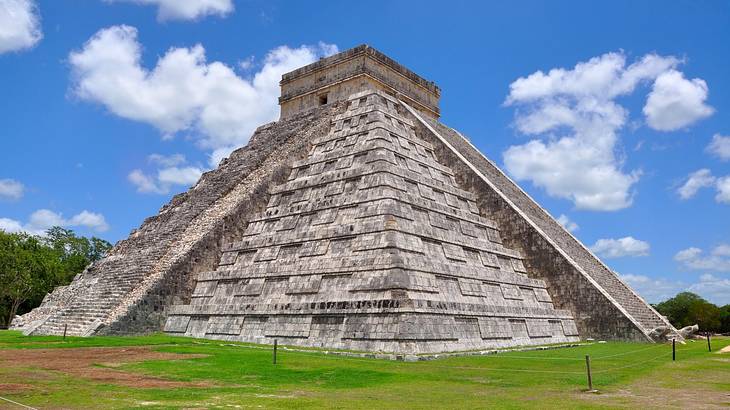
[597, 276]
[371, 245]
[85, 313]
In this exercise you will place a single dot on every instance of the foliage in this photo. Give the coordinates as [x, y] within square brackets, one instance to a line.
[74, 252]
[31, 266]
[687, 309]
[725, 319]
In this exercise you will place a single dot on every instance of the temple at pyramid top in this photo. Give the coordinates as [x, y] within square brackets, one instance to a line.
[335, 78]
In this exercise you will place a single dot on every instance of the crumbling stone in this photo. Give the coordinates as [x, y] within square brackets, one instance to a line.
[356, 221]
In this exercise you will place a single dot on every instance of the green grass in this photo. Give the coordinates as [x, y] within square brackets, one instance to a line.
[243, 375]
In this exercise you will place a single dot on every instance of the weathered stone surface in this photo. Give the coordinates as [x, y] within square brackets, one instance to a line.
[130, 290]
[370, 255]
[602, 305]
[363, 224]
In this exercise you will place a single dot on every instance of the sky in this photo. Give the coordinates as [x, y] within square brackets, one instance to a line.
[612, 115]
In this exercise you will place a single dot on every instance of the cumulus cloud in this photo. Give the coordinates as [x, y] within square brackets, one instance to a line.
[576, 118]
[186, 9]
[703, 178]
[718, 259]
[695, 181]
[720, 147]
[675, 102]
[723, 190]
[713, 288]
[20, 25]
[43, 219]
[567, 223]
[11, 189]
[184, 92]
[170, 172]
[622, 247]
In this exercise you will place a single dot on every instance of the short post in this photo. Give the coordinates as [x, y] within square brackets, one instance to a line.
[588, 370]
[275, 343]
[674, 350]
[65, 327]
[709, 348]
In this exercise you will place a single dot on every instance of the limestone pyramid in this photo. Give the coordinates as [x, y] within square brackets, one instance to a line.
[356, 221]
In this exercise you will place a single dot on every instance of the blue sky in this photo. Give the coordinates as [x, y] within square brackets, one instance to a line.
[108, 108]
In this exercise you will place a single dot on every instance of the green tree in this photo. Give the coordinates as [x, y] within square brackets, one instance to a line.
[687, 309]
[27, 270]
[725, 319]
[74, 252]
[31, 266]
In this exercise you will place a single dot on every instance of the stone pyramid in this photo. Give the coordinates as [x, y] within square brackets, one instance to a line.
[356, 221]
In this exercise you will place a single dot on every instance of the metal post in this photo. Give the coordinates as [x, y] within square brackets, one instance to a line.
[709, 348]
[65, 327]
[588, 370]
[275, 343]
[674, 350]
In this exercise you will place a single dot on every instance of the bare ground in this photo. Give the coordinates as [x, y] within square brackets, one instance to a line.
[97, 364]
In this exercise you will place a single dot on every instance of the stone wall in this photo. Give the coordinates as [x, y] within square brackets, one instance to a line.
[340, 75]
[602, 305]
[129, 290]
[371, 244]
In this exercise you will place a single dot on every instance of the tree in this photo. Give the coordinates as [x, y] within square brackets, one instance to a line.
[27, 270]
[74, 252]
[725, 319]
[31, 266]
[687, 309]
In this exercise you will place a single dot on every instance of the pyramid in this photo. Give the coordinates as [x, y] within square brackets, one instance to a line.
[357, 221]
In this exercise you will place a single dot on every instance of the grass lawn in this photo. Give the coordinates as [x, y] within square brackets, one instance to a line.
[169, 372]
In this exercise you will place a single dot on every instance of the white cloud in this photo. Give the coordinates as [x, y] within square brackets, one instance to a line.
[11, 189]
[20, 25]
[675, 102]
[171, 173]
[713, 288]
[717, 260]
[695, 181]
[720, 147]
[723, 190]
[43, 219]
[179, 176]
[618, 248]
[577, 120]
[144, 182]
[186, 9]
[703, 178]
[10, 225]
[167, 160]
[89, 220]
[721, 250]
[654, 290]
[184, 92]
[567, 223]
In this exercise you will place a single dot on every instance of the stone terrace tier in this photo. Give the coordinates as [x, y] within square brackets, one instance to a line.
[372, 245]
[602, 305]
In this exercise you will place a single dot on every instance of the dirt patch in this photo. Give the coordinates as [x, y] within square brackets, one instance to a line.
[10, 388]
[725, 349]
[85, 362]
[660, 397]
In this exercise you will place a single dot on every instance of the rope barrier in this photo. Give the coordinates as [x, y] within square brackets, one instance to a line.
[16, 403]
[629, 365]
[631, 352]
